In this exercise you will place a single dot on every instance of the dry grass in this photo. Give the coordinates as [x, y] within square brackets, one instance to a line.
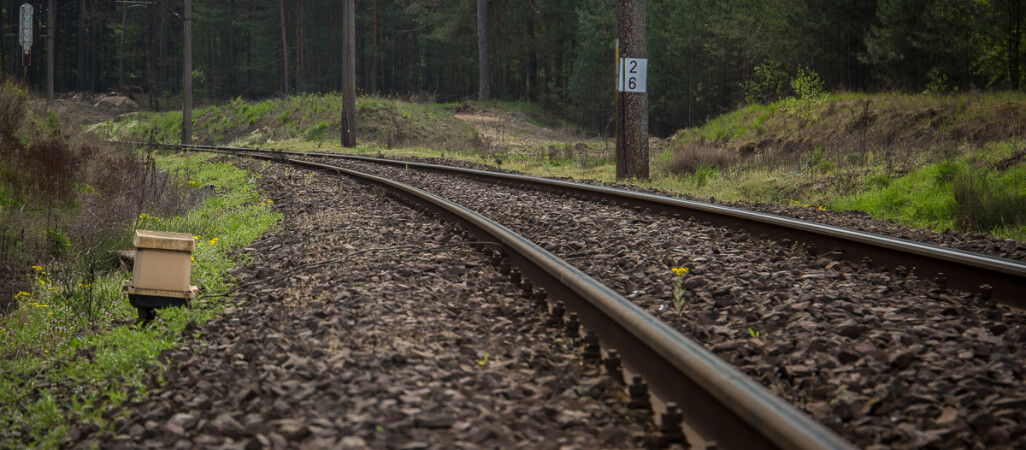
[690, 158]
[68, 202]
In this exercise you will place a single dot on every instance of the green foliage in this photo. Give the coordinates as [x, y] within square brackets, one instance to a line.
[937, 82]
[949, 195]
[58, 243]
[767, 85]
[57, 357]
[808, 96]
[703, 174]
[316, 132]
[12, 107]
[591, 84]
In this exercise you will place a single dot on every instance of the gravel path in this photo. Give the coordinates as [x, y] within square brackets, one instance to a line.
[887, 361]
[364, 324]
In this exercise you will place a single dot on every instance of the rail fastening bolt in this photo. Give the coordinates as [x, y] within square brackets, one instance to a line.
[528, 289]
[557, 312]
[941, 280]
[592, 349]
[540, 295]
[514, 276]
[638, 391]
[986, 292]
[573, 326]
[670, 431]
[612, 364]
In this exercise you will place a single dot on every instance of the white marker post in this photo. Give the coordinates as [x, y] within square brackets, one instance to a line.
[25, 33]
[634, 75]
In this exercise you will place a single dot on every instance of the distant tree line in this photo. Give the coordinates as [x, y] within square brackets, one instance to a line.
[706, 56]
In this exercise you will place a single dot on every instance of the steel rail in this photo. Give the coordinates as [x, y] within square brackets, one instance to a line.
[722, 403]
[1000, 279]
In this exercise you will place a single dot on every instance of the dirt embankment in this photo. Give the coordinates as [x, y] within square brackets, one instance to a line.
[901, 129]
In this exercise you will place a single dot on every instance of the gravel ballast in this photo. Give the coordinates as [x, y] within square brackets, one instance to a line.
[362, 323]
[885, 359]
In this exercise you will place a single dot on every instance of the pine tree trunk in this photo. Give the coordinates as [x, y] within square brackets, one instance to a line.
[121, 47]
[374, 47]
[1015, 38]
[284, 50]
[80, 82]
[349, 74]
[299, 46]
[482, 50]
[94, 49]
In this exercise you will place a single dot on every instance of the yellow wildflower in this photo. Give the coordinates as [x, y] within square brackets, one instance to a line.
[680, 271]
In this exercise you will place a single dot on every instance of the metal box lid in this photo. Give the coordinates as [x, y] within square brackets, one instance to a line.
[163, 240]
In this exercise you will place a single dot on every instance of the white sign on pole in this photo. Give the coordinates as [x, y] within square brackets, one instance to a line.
[633, 74]
[25, 27]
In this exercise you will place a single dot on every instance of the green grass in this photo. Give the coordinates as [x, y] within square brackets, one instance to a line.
[950, 195]
[48, 384]
[300, 118]
[887, 168]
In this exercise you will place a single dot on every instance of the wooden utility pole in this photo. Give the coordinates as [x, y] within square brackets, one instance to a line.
[348, 74]
[482, 50]
[187, 77]
[51, 32]
[632, 146]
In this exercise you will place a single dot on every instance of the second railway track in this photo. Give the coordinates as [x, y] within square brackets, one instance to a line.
[865, 351]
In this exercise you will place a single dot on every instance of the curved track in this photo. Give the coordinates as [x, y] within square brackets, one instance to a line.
[991, 278]
[720, 403]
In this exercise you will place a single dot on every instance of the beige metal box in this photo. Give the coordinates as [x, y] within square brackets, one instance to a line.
[162, 264]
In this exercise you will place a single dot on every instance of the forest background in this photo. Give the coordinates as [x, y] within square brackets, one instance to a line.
[706, 56]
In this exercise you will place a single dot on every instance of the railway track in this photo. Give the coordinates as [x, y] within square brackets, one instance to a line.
[975, 419]
[716, 401]
[989, 277]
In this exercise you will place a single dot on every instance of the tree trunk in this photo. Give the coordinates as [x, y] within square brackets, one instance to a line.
[51, 32]
[349, 74]
[94, 49]
[121, 47]
[1016, 36]
[482, 50]
[284, 50]
[632, 156]
[187, 77]
[374, 47]
[300, 47]
[80, 82]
